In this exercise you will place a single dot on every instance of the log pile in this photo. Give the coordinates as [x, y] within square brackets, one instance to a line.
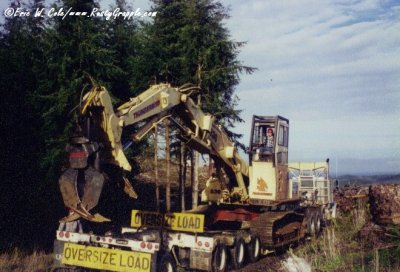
[385, 203]
[372, 234]
[349, 198]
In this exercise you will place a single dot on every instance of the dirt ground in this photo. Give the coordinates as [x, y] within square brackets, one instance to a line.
[269, 263]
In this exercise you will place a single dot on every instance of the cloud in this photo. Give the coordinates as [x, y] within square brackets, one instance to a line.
[331, 67]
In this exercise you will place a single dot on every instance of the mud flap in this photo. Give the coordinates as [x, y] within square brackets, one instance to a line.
[58, 250]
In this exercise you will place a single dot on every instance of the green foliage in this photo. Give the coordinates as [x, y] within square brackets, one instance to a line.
[43, 61]
[389, 257]
[191, 44]
[21, 145]
[73, 46]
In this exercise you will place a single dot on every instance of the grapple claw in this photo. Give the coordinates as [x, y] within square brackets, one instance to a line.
[76, 214]
[92, 186]
[99, 218]
[128, 189]
[68, 188]
[94, 181]
[71, 217]
[90, 217]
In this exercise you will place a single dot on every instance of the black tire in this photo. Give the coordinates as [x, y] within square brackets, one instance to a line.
[167, 263]
[311, 226]
[317, 224]
[220, 259]
[254, 249]
[238, 253]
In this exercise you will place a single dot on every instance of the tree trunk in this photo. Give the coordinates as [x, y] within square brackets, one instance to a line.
[195, 178]
[182, 175]
[210, 165]
[156, 168]
[167, 159]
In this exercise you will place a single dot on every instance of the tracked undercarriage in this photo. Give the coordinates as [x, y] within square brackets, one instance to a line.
[277, 229]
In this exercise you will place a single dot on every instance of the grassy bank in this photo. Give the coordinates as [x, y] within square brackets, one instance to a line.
[19, 261]
[351, 243]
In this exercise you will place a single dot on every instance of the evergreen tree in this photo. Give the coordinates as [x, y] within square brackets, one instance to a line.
[73, 45]
[20, 48]
[121, 38]
[191, 44]
[41, 79]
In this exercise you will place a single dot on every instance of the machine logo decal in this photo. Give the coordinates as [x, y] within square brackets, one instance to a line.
[262, 185]
[262, 188]
[146, 109]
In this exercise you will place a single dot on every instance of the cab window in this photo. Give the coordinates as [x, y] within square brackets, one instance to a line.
[283, 138]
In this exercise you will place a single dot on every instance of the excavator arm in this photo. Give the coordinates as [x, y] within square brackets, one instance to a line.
[233, 164]
[97, 112]
[146, 110]
[156, 102]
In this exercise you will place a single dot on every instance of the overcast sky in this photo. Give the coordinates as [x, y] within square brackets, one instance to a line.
[332, 68]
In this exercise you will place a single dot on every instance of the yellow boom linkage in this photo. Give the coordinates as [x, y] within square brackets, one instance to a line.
[145, 110]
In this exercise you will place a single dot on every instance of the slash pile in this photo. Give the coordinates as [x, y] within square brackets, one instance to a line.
[348, 197]
[385, 203]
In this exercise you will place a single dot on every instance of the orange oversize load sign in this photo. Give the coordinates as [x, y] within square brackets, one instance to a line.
[173, 221]
[106, 259]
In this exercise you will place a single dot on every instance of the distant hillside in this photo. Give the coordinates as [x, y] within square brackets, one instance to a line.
[365, 166]
[366, 180]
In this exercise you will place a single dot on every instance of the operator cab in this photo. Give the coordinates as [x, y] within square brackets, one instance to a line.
[269, 139]
[268, 158]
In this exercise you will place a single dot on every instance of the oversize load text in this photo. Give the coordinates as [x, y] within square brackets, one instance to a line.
[109, 259]
[174, 221]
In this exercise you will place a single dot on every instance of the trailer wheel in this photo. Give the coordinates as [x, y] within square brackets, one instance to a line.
[238, 253]
[254, 249]
[317, 224]
[311, 226]
[167, 263]
[220, 258]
